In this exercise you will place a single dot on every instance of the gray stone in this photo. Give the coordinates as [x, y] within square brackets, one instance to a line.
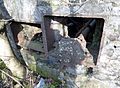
[113, 37]
[37, 46]
[19, 10]
[110, 52]
[78, 70]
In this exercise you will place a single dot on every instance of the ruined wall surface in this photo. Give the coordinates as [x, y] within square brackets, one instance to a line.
[107, 71]
[31, 10]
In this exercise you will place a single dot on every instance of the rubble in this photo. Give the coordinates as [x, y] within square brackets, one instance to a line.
[107, 66]
[69, 57]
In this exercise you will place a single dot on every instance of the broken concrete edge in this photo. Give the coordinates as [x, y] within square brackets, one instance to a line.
[10, 60]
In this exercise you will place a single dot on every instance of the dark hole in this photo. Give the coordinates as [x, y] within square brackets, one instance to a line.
[115, 46]
[89, 70]
[86, 53]
[90, 28]
[19, 47]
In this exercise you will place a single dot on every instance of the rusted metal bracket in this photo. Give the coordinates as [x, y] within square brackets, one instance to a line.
[48, 34]
[44, 36]
[12, 43]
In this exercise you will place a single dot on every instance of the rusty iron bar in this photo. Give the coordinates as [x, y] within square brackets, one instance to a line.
[44, 37]
[88, 24]
[89, 28]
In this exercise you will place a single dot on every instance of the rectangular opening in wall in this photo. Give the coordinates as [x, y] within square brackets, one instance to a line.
[57, 27]
[27, 36]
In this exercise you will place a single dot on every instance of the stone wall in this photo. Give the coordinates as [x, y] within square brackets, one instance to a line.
[108, 66]
[20, 11]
